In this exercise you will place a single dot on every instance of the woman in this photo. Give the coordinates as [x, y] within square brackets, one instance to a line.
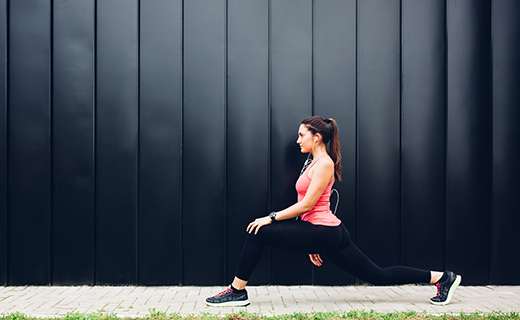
[319, 231]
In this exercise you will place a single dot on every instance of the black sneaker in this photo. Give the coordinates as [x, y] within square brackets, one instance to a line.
[228, 298]
[446, 289]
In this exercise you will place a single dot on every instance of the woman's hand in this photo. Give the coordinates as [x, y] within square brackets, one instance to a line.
[316, 259]
[257, 224]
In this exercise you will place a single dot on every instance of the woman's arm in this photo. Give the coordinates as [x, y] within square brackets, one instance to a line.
[322, 174]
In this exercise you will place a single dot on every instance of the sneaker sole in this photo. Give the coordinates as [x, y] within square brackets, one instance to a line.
[241, 303]
[454, 287]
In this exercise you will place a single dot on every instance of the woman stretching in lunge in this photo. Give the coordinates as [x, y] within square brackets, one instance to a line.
[319, 231]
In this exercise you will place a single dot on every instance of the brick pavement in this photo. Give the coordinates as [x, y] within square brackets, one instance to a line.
[266, 300]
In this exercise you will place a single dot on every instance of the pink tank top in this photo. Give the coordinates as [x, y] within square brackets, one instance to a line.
[321, 213]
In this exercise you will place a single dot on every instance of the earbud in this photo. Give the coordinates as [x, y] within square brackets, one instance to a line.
[316, 139]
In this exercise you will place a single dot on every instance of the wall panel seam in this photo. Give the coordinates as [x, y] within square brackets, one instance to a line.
[401, 184]
[491, 119]
[270, 125]
[94, 147]
[181, 152]
[138, 164]
[446, 108]
[6, 131]
[226, 146]
[312, 60]
[356, 197]
[313, 273]
[51, 144]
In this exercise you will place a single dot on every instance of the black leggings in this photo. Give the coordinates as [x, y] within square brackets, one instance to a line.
[305, 237]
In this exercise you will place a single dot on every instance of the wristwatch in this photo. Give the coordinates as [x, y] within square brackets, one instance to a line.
[272, 215]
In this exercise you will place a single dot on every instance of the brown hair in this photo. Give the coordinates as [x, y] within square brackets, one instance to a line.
[329, 131]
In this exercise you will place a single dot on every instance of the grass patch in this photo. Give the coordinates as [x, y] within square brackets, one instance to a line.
[351, 315]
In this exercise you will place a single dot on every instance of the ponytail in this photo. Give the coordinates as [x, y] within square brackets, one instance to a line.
[329, 131]
[335, 149]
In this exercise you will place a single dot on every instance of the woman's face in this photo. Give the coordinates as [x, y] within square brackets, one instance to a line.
[305, 139]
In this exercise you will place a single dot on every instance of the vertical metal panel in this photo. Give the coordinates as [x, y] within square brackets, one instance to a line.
[284, 60]
[73, 142]
[334, 88]
[204, 142]
[468, 159]
[379, 130]
[506, 137]
[29, 143]
[3, 142]
[160, 142]
[116, 141]
[291, 98]
[423, 132]
[247, 126]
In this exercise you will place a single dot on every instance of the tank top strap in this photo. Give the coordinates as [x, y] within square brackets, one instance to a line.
[314, 161]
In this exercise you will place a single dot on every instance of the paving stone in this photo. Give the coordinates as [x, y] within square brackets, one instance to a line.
[267, 300]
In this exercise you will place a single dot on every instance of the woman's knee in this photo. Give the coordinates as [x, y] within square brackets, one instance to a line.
[262, 237]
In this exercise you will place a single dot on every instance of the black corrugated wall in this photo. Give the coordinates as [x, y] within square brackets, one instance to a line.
[138, 138]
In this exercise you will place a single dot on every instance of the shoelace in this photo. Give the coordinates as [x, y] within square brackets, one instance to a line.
[438, 285]
[223, 292]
